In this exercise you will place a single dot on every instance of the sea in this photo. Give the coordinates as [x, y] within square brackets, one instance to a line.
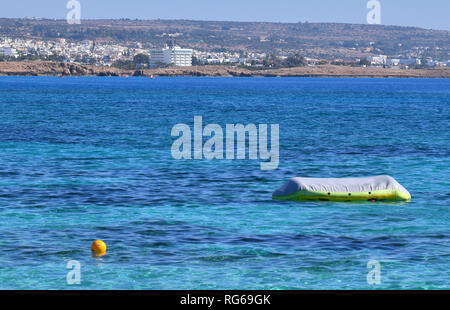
[87, 158]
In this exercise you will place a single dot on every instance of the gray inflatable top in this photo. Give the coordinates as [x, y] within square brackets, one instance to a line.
[366, 184]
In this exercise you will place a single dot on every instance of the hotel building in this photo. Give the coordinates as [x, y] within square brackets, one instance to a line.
[177, 56]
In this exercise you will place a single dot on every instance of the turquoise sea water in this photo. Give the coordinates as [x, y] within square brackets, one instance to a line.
[89, 158]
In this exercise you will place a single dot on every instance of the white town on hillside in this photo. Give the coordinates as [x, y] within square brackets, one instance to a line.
[106, 54]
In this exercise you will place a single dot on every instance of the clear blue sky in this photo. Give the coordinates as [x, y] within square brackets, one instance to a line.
[427, 14]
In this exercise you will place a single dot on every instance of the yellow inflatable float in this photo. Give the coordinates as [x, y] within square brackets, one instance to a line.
[382, 187]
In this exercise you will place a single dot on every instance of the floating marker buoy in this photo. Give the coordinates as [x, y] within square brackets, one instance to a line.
[98, 247]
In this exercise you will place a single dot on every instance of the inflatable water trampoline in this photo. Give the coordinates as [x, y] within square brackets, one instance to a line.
[382, 187]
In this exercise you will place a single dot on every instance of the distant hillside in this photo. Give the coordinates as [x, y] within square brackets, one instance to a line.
[318, 40]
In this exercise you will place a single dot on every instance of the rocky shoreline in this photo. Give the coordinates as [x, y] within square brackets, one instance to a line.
[48, 68]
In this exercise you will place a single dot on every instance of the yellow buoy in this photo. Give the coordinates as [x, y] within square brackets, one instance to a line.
[98, 247]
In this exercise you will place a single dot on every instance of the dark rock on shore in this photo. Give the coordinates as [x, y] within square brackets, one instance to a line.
[35, 68]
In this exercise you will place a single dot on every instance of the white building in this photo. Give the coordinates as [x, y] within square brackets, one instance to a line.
[178, 56]
[410, 61]
[160, 56]
[182, 56]
[430, 62]
[393, 62]
[378, 60]
[8, 51]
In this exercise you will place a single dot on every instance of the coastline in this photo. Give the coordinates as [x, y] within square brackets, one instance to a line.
[49, 68]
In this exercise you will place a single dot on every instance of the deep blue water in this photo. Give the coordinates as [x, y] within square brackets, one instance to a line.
[90, 158]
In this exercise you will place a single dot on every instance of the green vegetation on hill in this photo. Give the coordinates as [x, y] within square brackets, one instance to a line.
[319, 40]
